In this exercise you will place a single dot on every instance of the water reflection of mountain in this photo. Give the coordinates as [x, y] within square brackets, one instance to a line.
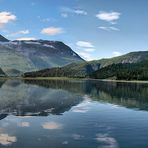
[23, 99]
[41, 98]
[131, 95]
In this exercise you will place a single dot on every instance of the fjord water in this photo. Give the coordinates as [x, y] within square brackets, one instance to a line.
[73, 114]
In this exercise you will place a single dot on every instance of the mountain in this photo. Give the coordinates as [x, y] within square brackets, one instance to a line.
[84, 69]
[3, 39]
[33, 55]
[123, 71]
[2, 74]
[13, 72]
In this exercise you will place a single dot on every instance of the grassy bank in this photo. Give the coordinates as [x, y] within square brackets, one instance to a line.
[67, 78]
[123, 81]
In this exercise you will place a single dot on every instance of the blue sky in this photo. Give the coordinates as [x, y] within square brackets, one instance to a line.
[93, 28]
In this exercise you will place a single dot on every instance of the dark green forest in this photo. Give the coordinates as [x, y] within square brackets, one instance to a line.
[134, 71]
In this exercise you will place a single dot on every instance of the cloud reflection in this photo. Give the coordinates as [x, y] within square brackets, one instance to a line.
[6, 139]
[77, 136]
[107, 141]
[82, 107]
[65, 142]
[24, 124]
[52, 125]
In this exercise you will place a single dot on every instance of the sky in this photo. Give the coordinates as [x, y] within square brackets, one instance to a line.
[94, 29]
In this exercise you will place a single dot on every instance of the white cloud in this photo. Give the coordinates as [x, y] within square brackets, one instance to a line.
[23, 32]
[65, 15]
[84, 44]
[116, 53]
[87, 56]
[52, 125]
[80, 12]
[109, 28]
[47, 19]
[108, 16]
[114, 28]
[89, 49]
[85, 48]
[26, 39]
[18, 33]
[52, 31]
[104, 28]
[6, 17]
[66, 10]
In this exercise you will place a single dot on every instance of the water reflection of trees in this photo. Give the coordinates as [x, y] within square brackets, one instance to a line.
[132, 95]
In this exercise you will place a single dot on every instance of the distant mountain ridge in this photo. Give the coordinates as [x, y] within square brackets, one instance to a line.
[43, 58]
[3, 39]
[123, 71]
[17, 57]
[84, 69]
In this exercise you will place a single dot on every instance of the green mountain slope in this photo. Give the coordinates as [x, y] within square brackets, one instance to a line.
[84, 69]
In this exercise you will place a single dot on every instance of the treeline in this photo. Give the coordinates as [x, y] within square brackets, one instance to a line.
[135, 71]
[57, 72]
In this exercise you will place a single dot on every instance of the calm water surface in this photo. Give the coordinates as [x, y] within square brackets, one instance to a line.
[73, 114]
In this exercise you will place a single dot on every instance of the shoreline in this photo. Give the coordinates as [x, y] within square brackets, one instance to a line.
[67, 78]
